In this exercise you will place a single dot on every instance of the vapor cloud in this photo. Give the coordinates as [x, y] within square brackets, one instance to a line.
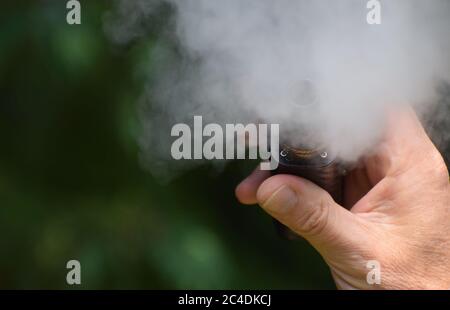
[249, 60]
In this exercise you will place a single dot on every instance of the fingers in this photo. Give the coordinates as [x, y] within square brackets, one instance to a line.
[311, 212]
[405, 136]
[246, 190]
[403, 123]
[404, 144]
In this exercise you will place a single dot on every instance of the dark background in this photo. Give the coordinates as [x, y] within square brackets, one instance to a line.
[71, 186]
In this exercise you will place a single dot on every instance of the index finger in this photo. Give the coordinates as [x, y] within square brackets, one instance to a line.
[247, 189]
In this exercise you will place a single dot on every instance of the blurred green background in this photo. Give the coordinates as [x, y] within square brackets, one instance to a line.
[71, 186]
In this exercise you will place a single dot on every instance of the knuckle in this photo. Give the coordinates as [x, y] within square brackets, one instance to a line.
[438, 168]
[387, 187]
[443, 172]
[314, 218]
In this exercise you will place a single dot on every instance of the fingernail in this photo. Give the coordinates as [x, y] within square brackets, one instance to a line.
[281, 201]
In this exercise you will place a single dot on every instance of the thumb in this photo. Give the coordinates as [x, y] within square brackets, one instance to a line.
[311, 212]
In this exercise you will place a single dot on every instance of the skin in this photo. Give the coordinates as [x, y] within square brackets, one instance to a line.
[396, 211]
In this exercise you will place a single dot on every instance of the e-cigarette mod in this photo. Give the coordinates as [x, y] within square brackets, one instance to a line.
[317, 166]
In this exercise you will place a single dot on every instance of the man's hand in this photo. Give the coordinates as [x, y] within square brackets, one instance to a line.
[399, 202]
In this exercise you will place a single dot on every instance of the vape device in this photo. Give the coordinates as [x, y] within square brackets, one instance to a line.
[307, 160]
[317, 166]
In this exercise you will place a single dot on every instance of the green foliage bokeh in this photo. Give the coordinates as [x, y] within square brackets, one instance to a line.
[71, 186]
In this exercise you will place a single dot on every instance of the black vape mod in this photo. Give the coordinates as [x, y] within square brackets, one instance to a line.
[317, 166]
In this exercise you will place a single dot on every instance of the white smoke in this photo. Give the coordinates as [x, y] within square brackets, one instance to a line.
[249, 60]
